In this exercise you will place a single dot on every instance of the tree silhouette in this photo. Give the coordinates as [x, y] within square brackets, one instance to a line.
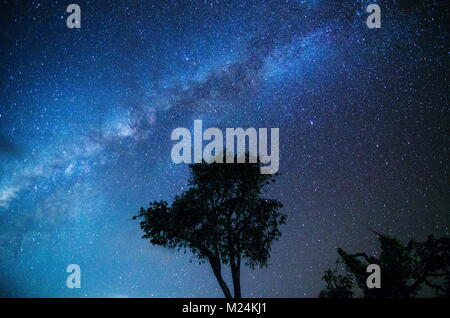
[405, 270]
[221, 218]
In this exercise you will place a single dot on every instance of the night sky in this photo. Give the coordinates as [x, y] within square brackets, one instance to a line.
[86, 116]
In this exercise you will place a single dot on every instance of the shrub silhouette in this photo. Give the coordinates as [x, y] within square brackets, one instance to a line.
[405, 270]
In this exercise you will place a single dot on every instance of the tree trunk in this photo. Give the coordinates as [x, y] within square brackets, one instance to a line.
[236, 274]
[216, 267]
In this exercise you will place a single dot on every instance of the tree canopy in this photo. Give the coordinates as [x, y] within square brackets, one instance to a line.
[222, 218]
[406, 270]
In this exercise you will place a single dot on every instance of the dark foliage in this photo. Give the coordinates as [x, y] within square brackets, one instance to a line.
[406, 269]
[221, 218]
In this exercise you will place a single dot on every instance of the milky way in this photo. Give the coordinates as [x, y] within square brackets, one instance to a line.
[86, 116]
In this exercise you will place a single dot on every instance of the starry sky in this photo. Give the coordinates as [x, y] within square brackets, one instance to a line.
[86, 116]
